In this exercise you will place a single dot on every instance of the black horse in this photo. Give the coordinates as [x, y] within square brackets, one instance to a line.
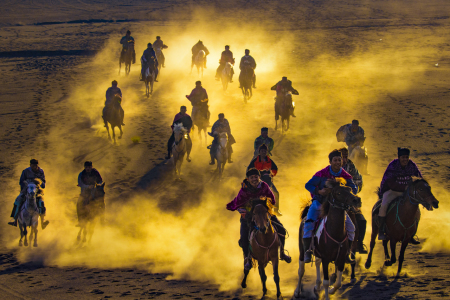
[246, 80]
[113, 114]
[90, 207]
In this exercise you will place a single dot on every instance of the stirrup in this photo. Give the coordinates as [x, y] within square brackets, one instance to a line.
[212, 163]
[285, 257]
[308, 256]
[248, 265]
[348, 260]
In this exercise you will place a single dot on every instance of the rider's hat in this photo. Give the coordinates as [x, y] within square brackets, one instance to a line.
[265, 129]
[34, 162]
[344, 151]
[403, 151]
[262, 147]
[221, 114]
[198, 82]
[88, 163]
[356, 122]
[114, 82]
[253, 171]
[128, 32]
[200, 42]
[150, 45]
[334, 153]
[227, 46]
[284, 77]
[247, 50]
[183, 107]
[158, 37]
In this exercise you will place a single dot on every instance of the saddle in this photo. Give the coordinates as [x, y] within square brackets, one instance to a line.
[376, 207]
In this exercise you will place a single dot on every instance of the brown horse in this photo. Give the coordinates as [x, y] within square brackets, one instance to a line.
[264, 248]
[402, 220]
[333, 243]
[112, 114]
[90, 206]
[127, 58]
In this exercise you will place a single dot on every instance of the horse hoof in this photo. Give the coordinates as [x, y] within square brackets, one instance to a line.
[20, 244]
[243, 285]
[353, 281]
[35, 245]
[25, 243]
[333, 278]
[387, 263]
[280, 297]
[367, 264]
[78, 238]
[120, 137]
[109, 138]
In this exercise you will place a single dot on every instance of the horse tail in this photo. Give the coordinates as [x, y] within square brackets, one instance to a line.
[304, 212]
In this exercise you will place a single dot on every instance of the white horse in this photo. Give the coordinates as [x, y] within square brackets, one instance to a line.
[29, 213]
[222, 153]
[226, 75]
[199, 62]
[179, 147]
[149, 78]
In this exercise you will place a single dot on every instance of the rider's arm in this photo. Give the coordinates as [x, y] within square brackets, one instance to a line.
[43, 179]
[99, 178]
[274, 88]
[274, 169]
[22, 179]
[352, 185]
[313, 185]
[81, 183]
[271, 144]
[237, 202]
[123, 40]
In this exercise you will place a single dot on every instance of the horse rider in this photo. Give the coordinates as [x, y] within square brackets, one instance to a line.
[150, 61]
[394, 183]
[196, 49]
[125, 42]
[353, 135]
[268, 170]
[351, 169]
[183, 118]
[247, 58]
[160, 44]
[226, 57]
[316, 186]
[199, 100]
[282, 87]
[87, 179]
[221, 125]
[31, 173]
[111, 93]
[263, 139]
[255, 189]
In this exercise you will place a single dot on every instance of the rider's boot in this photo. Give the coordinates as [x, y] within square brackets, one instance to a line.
[382, 230]
[188, 158]
[308, 252]
[231, 79]
[292, 112]
[213, 160]
[283, 255]
[15, 215]
[348, 259]
[43, 223]
[13, 223]
[414, 241]
[248, 264]
[362, 234]
[230, 161]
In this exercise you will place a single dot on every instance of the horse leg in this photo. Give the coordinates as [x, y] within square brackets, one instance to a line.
[85, 232]
[372, 244]
[326, 281]
[107, 129]
[114, 134]
[121, 132]
[244, 280]
[353, 277]
[393, 256]
[35, 235]
[276, 276]
[263, 276]
[318, 277]
[25, 232]
[387, 258]
[301, 272]
[401, 258]
[333, 276]
[21, 234]
[338, 283]
[79, 233]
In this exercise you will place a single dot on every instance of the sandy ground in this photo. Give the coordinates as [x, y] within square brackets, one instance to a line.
[166, 239]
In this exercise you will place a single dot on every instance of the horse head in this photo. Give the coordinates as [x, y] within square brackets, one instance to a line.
[201, 54]
[223, 139]
[261, 217]
[179, 133]
[98, 190]
[419, 191]
[341, 196]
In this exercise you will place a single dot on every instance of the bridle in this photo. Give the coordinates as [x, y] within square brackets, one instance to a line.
[337, 204]
[414, 200]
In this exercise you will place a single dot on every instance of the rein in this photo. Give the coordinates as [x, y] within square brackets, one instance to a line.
[417, 202]
[267, 249]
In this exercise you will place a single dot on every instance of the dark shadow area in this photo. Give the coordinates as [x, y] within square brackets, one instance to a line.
[39, 53]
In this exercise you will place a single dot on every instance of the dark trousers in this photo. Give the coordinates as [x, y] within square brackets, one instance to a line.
[246, 224]
[172, 140]
[361, 222]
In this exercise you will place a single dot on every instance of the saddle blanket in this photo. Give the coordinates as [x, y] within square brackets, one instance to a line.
[320, 228]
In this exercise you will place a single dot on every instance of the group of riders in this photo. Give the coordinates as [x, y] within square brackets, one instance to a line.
[258, 184]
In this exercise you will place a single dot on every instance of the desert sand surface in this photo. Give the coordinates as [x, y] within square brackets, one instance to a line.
[385, 63]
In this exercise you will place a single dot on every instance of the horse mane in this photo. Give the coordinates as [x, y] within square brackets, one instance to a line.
[178, 127]
[260, 212]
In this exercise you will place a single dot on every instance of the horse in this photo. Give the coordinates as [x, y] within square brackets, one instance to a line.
[265, 244]
[359, 156]
[199, 62]
[158, 52]
[179, 147]
[127, 58]
[226, 75]
[112, 115]
[246, 81]
[222, 153]
[402, 220]
[90, 207]
[199, 119]
[148, 77]
[332, 244]
[283, 110]
[29, 212]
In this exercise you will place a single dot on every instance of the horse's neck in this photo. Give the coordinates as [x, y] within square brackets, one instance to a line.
[266, 237]
[180, 145]
[336, 223]
[407, 209]
[30, 204]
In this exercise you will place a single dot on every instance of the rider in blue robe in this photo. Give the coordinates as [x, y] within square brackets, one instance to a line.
[149, 61]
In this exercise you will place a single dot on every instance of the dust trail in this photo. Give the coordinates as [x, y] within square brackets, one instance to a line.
[183, 228]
